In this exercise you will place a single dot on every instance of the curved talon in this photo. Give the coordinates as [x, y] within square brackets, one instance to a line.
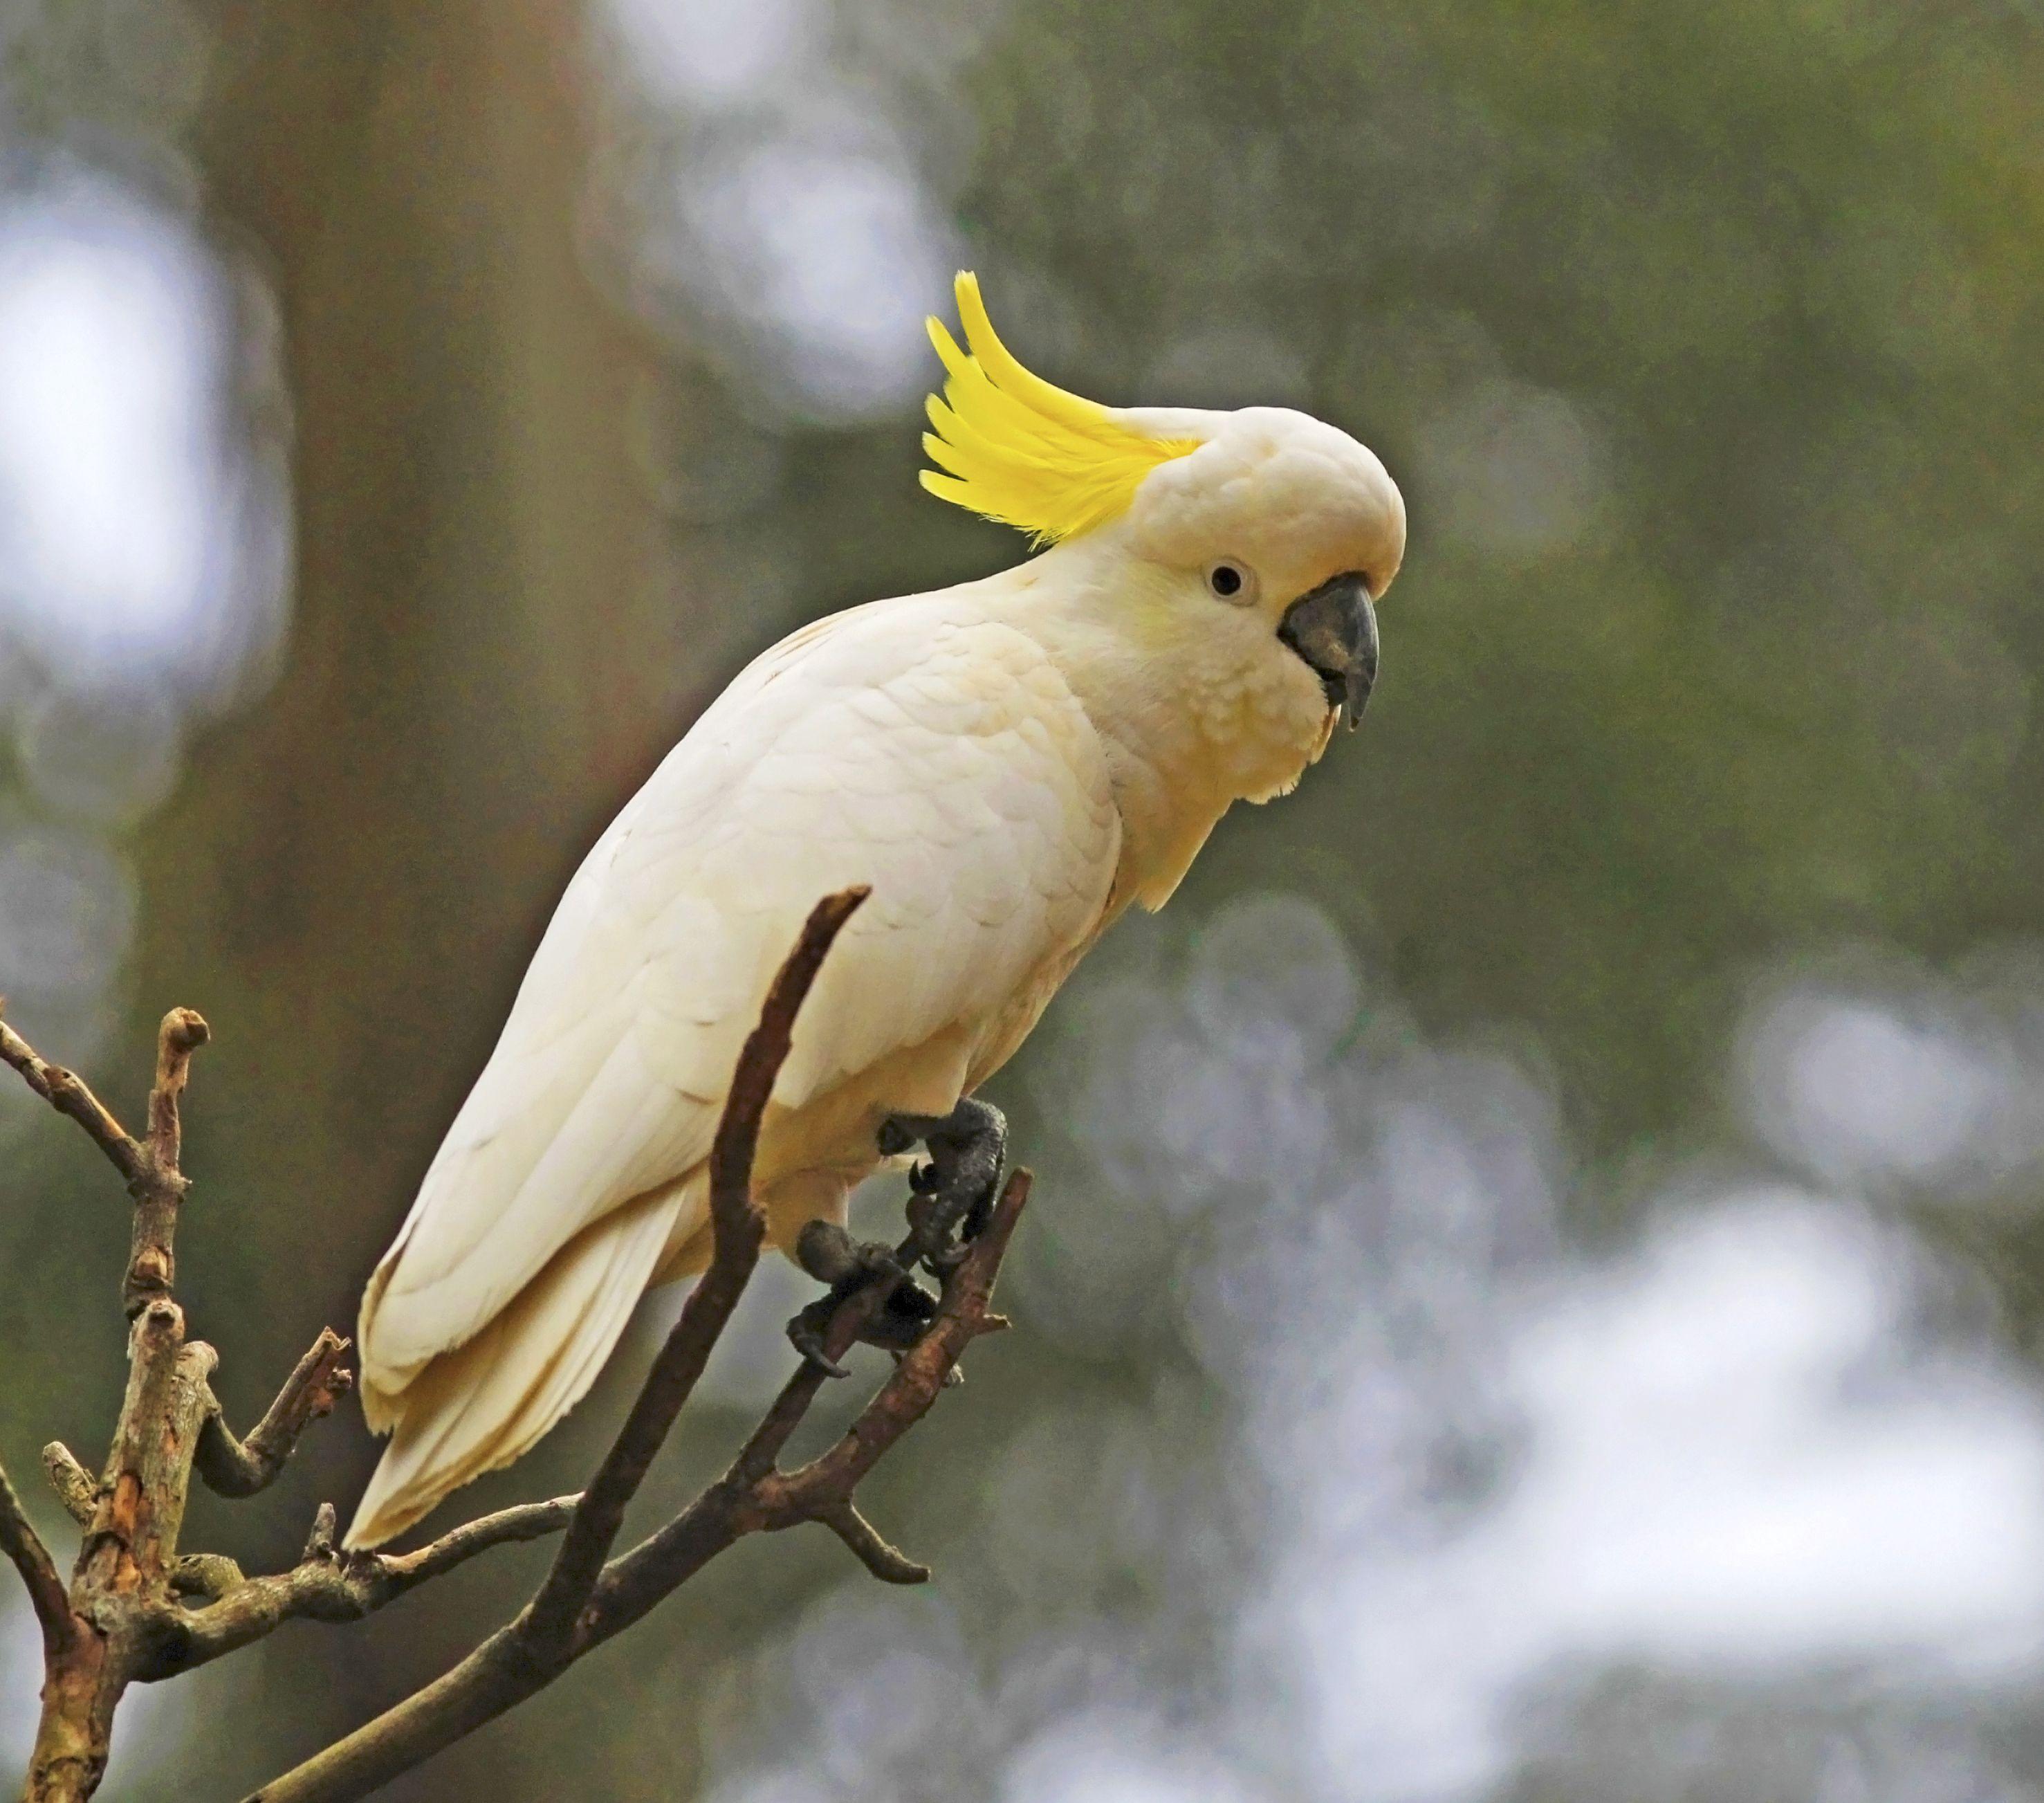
[951, 1194]
[830, 1255]
[804, 1336]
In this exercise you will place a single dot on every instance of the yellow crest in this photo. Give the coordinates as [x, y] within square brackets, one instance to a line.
[1011, 446]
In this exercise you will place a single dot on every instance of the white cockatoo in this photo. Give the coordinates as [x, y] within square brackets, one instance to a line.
[1008, 764]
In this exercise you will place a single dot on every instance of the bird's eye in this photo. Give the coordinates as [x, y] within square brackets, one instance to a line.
[1229, 580]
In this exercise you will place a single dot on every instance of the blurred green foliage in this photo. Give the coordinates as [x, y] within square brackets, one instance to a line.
[1704, 341]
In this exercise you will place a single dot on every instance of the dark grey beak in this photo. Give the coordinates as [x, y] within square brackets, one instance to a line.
[1334, 629]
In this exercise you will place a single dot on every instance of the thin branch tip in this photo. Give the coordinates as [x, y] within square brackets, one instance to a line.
[69, 1095]
[885, 1561]
[76, 1487]
[319, 1543]
[183, 1031]
[237, 1468]
[31, 1558]
[737, 1230]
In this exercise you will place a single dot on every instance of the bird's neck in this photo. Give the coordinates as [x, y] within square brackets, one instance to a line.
[1183, 742]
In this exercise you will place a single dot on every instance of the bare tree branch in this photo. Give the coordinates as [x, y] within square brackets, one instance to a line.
[738, 1229]
[72, 1483]
[130, 1546]
[512, 1664]
[243, 1468]
[333, 1586]
[326, 1524]
[183, 1031]
[149, 1167]
[887, 1562]
[24, 1546]
[66, 1091]
[121, 1582]
[159, 1186]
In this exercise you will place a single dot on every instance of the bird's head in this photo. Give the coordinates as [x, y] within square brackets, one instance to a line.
[1251, 546]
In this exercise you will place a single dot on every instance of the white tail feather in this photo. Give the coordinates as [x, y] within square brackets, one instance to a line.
[478, 1407]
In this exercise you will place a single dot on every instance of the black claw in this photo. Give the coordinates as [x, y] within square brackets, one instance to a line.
[805, 1334]
[981, 1212]
[952, 1194]
[830, 1255]
[908, 1311]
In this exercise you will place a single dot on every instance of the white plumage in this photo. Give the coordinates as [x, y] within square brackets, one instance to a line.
[941, 761]
[1006, 764]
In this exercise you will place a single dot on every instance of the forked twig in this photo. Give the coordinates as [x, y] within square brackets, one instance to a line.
[243, 1468]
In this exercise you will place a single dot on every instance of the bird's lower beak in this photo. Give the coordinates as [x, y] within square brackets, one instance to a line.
[1333, 630]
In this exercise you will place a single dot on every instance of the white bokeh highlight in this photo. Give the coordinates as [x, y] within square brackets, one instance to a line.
[712, 53]
[129, 543]
[1888, 1079]
[144, 554]
[1441, 1472]
[780, 175]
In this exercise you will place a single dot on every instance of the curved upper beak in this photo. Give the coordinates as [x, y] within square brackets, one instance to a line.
[1334, 629]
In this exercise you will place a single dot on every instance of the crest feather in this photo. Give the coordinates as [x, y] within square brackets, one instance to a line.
[1013, 447]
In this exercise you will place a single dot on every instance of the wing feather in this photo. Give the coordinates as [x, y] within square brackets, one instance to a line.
[910, 746]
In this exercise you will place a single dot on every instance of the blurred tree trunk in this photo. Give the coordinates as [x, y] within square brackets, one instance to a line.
[354, 873]
[473, 680]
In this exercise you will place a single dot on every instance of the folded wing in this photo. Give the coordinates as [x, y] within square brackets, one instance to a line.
[938, 758]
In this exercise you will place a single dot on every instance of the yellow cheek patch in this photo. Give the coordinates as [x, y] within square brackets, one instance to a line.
[1014, 447]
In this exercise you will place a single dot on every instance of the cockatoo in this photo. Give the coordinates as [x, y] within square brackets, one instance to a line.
[1009, 764]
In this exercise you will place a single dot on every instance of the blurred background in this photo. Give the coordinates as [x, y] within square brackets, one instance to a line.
[1535, 1287]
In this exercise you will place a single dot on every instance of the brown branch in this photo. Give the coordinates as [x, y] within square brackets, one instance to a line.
[513, 1665]
[135, 1513]
[139, 1609]
[737, 1229]
[887, 1562]
[326, 1524]
[129, 1549]
[232, 1467]
[24, 1546]
[159, 1188]
[66, 1091]
[149, 1167]
[326, 1585]
[182, 1032]
[133, 1534]
[72, 1483]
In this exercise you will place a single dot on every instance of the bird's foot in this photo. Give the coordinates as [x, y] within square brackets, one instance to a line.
[952, 1193]
[831, 1255]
